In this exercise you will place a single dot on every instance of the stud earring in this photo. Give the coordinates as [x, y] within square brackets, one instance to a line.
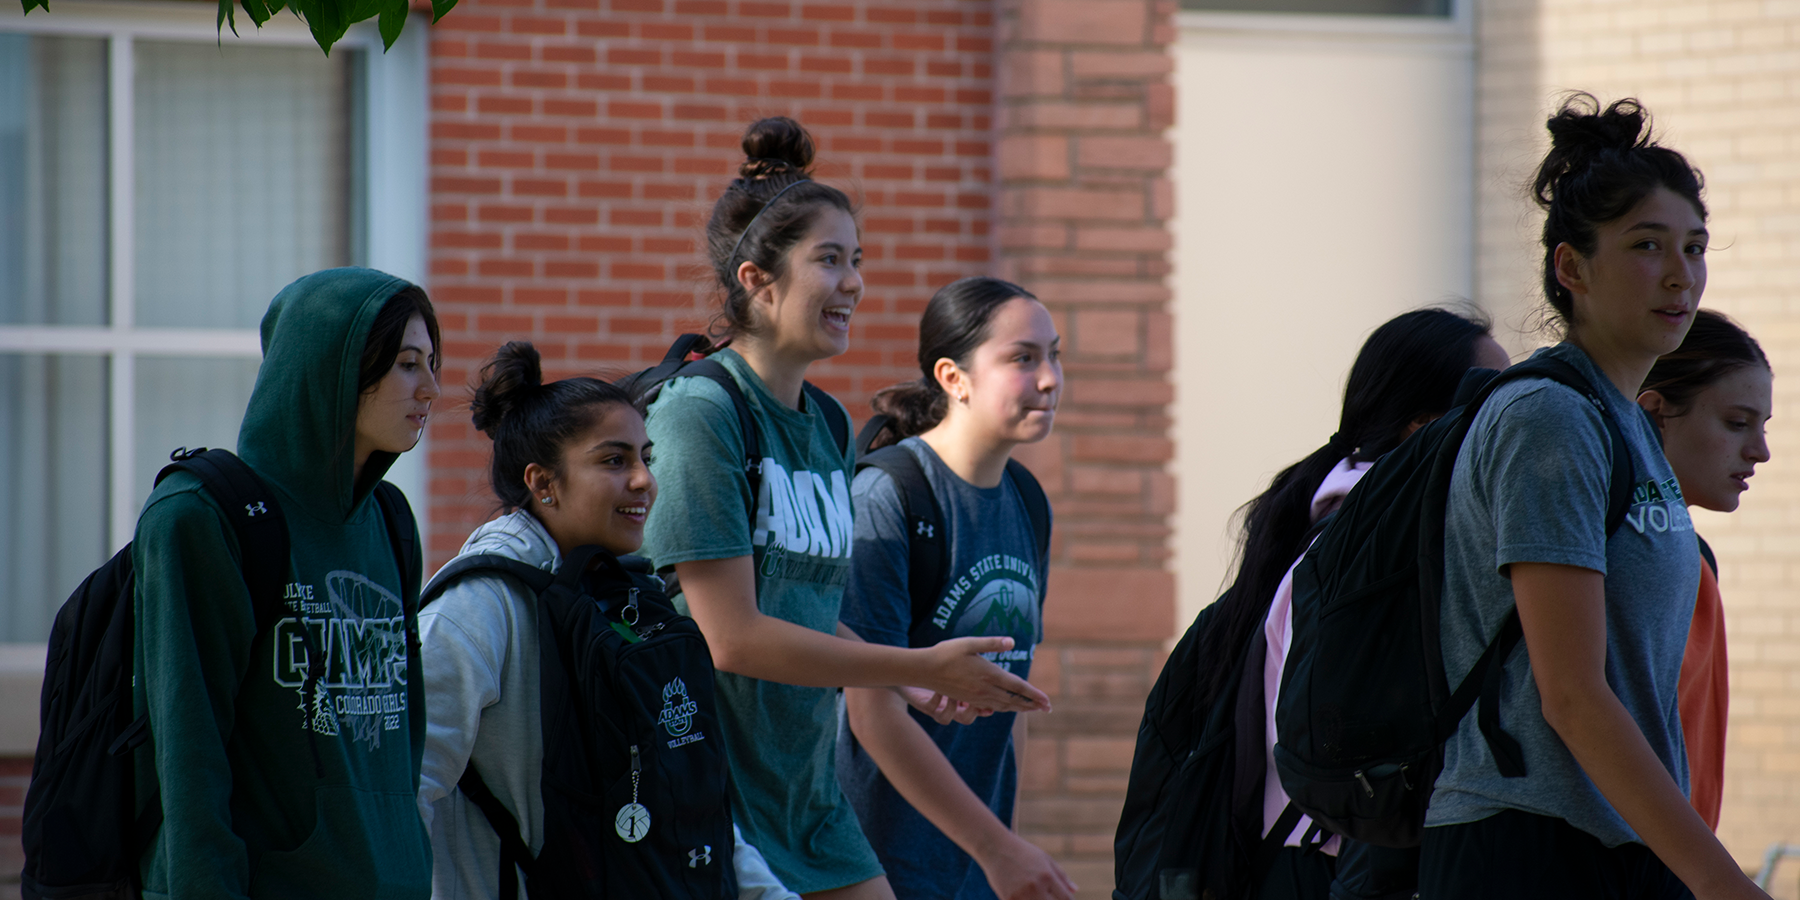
[545, 500]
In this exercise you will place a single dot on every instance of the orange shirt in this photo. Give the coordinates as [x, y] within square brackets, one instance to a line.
[1704, 695]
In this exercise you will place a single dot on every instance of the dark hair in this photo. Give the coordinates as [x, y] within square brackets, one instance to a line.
[1408, 369]
[530, 421]
[388, 332]
[957, 320]
[1600, 165]
[1714, 347]
[764, 213]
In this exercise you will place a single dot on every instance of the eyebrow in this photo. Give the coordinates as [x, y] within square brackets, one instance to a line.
[415, 349]
[1751, 410]
[833, 245]
[1664, 229]
[615, 445]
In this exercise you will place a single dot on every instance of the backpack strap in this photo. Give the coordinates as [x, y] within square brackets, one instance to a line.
[403, 538]
[1706, 553]
[927, 557]
[835, 417]
[1489, 674]
[516, 861]
[255, 517]
[1037, 505]
[538, 580]
[714, 371]
[1271, 843]
[871, 429]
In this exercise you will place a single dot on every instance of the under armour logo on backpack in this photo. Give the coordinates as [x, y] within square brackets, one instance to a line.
[255, 509]
[927, 530]
[701, 857]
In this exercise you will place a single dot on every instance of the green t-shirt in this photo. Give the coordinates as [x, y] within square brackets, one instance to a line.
[781, 739]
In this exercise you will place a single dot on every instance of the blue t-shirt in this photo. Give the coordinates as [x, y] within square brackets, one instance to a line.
[1531, 485]
[995, 588]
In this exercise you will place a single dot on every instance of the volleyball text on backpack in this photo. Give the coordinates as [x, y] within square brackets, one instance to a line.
[635, 784]
[1365, 706]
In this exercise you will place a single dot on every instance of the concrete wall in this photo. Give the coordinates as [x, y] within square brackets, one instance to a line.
[1323, 179]
[1720, 76]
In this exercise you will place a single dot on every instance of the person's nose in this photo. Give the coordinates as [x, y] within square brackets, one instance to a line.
[1758, 449]
[429, 389]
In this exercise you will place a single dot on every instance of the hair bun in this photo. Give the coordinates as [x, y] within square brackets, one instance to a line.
[776, 146]
[1581, 131]
[511, 377]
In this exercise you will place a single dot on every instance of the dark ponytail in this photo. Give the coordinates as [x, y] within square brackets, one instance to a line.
[956, 321]
[1407, 370]
[530, 421]
[1714, 347]
[1600, 165]
[763, 213]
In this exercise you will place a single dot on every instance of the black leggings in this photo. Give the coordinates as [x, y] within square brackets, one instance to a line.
[1515, 854]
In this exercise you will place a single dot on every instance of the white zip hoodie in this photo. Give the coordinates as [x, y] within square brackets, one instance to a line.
[481, 701]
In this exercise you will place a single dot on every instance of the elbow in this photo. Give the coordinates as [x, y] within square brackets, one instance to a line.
[1564, 705]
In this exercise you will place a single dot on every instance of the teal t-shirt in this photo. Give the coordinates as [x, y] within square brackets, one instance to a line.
[780, 738]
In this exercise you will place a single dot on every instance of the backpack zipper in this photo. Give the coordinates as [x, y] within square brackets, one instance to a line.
[1367, 787]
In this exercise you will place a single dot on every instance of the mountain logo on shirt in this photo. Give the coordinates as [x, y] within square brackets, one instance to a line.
[360, 629]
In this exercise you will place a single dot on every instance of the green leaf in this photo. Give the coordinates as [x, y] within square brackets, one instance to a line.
[441, 8]
[393, 18]
[227, 16]
[258, 10]
[39, 4]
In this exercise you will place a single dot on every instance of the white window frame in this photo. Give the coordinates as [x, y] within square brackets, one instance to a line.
[395, 114]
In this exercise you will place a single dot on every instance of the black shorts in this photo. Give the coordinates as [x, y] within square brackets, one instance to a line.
[1515, 854]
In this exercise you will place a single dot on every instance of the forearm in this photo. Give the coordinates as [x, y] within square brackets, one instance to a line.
[918, 770]
[762, 646]
[1611, 749]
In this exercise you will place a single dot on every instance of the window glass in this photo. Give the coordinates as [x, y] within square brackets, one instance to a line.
[187, 402]
[52, 485]
[1439, 8]
[243, 169]
[53, 240]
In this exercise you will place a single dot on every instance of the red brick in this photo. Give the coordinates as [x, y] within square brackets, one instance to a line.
[1147, 152]
[1034, 157]
[1084, 21]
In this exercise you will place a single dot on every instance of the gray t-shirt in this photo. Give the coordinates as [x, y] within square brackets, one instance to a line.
[1531, 485]
[780, 738]
[995, 587]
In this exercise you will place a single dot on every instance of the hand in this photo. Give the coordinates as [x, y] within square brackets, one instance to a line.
[940, 708]
[957, 670]
[1021, 870]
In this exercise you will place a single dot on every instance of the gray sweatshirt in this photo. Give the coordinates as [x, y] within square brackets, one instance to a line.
[481, 701]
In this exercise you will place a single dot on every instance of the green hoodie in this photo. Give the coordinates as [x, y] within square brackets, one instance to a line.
[259, 800]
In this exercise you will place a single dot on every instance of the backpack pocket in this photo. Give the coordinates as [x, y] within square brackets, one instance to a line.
[1382, 803]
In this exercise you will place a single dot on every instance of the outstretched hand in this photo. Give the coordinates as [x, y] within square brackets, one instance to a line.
[940, 708]
[957, 670]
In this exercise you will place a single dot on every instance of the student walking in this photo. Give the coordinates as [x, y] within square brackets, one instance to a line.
[1710, 399]
[280, 777]
[935, 798]
[571, 466]
[1593, 802]
[763, 572]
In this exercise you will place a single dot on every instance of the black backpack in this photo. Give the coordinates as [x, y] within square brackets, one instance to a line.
[646, 385]
[635, 784]
[83, 834]
[925, 534]
[1191, 828]
[1365, 706]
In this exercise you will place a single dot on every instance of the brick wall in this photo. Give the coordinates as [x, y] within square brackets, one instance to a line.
[1083, 204]
[577, 146]
[1719, 77]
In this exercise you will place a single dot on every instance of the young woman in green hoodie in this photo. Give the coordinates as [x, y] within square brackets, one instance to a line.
[766, 587]
[267, 792]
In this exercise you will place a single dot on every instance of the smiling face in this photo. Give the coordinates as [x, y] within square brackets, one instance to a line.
[804, 315]
[391, 416]
[1635, 296]
[602, 490]
[1013, 380]
[1715, 444]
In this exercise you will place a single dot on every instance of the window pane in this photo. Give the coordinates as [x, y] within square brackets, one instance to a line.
[243, 177]
[52, 485]
[1439, 8]
[53, 241]
[187, 403]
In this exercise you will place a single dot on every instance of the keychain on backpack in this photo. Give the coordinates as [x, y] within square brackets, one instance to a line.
[633, 820]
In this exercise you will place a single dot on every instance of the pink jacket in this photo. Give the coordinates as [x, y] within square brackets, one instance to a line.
[1278, 630]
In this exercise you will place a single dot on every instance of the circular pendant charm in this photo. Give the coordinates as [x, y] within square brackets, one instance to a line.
[632, 822]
